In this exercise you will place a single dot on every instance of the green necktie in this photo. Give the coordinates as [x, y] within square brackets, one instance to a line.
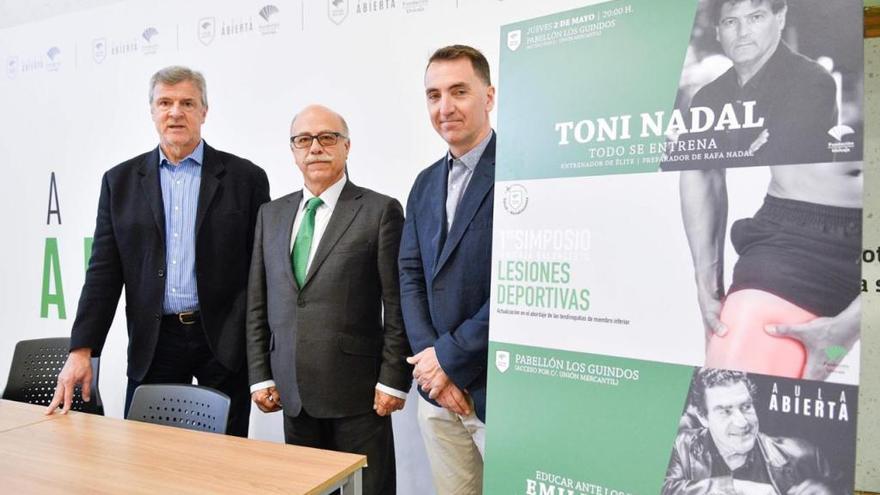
[302, 245]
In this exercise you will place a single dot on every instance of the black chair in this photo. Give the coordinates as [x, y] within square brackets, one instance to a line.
[184, 406]
[33, 374]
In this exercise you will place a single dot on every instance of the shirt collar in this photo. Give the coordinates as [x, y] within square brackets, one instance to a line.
[472, 157]
[754, 456]
[774, 61]
[196, 156]
[330, 196]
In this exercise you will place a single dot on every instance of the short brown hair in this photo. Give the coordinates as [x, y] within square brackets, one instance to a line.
[455, 52]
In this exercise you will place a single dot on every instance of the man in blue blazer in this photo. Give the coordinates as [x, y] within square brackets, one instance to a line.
[175, 227]
[445, 269]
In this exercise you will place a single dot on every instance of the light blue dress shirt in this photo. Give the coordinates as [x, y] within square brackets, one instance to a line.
[460, 171]
[180, 198]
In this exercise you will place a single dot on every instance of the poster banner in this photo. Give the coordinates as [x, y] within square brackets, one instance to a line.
[676, 252]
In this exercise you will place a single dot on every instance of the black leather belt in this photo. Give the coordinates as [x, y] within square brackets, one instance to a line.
[185, 318]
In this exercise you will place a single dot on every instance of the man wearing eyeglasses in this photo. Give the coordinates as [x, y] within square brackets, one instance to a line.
[325, 337]
[162, 219]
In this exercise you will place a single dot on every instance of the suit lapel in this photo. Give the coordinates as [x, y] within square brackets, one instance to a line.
[287, 219]
[480, 185]
[212, 170]
[437, 212]
[343, 215]
[149, 172]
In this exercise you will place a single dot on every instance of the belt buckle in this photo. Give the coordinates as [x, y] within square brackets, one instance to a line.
[187, 318]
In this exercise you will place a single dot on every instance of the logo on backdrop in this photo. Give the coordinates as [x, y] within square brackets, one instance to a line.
[269, 26]
[125, 47]
[266, 21]
[207, 30]
[337, 10]
[150, 44]
[31, 64]
[54, 55]
[50, 61]
[149, 33]
[514, 39]
[412, 6]
[516, 198]
[147, 42]
[502, 360]
[99, 50]
[838, 132]
[236, 26]
[370, 6]
[11, 67]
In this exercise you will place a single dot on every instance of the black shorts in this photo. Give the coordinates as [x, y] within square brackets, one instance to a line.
[806, 253]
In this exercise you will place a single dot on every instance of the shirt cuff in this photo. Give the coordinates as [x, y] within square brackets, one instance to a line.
[262, 385]
[388, 390]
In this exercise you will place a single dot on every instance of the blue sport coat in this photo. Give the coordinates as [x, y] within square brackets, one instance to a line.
[445, 278]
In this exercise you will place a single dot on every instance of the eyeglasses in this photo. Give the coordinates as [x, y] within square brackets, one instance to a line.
[301, 141]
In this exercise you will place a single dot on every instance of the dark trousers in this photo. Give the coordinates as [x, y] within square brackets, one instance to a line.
[183, 353]
[367, 434]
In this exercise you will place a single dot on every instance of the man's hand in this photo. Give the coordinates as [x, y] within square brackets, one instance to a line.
[704, 215]
[77, 370]
[385, 404]
[428, 373]
[827, 340]
[710, 308]
[452, 398]
[436, 383]
[267, 399]
[810, 487]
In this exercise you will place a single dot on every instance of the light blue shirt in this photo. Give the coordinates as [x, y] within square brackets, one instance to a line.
[180, 198]
[460, 171]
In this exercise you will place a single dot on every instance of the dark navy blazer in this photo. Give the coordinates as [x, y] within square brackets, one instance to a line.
[445, 278]
[129, 251]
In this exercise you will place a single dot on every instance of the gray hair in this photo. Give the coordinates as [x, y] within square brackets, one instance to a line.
[175, 74]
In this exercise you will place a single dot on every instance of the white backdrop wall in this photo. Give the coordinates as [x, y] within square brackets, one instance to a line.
[70, 108]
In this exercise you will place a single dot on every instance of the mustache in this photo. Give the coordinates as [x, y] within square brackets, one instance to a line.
[318, 159]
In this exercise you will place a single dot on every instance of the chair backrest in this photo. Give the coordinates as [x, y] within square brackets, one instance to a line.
[185, 406]
[33, 374]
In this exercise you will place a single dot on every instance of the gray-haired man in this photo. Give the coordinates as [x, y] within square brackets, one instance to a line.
[175, 227]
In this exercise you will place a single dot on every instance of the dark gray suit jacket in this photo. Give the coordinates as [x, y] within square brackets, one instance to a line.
[328, 344]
